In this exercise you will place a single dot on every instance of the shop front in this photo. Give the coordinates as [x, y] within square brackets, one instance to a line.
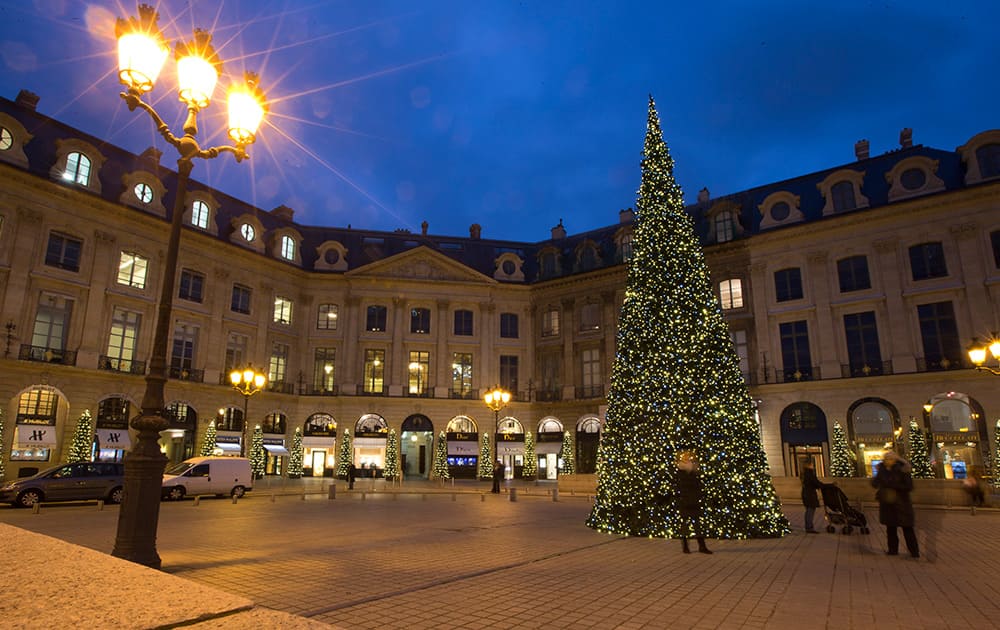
[227, 443]
[276, 452]
[804, 437]
[874, 429]
[463, 454]
[35, 437]
[958, 435]
[416, 441]
[319, 446]
[548, 447]
[510, 451]
[111, 436]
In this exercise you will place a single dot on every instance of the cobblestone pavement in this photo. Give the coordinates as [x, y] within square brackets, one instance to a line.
[469, 560]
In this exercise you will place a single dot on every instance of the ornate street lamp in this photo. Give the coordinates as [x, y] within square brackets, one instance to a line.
[142, 50]
[247, 382]
[977, 354]
[496, 399]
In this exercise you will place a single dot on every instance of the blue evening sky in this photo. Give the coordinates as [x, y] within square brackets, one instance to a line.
[515, 115]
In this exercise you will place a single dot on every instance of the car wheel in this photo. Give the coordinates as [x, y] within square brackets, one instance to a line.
[238, 492]
[29, 498]
[176, 493]
[116, 495]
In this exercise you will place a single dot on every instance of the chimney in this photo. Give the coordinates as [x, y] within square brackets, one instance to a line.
[626, 215]
[906, 138]
[703, 195]
[474, 231]
[861, 149]
[423, 228]
[283, 212]
[26, 99]
[558, 232]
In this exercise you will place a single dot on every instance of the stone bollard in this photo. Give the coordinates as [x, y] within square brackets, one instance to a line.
[555, 495]
[364, 496]
[303, 496]
[272, 497]
[513, 495]
[36, 508]
[482, 498]
[236, 499]
[197, 500]
[331, 493]
[453, 496]
[100, 506]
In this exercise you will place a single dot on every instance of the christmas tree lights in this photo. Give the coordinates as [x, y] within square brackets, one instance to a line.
[567, 454]
[918, 454]
[530, 468]
[83, 440]
[841, 462]
[295, 455]
[391, 471]
[258, 459]
[441, 457]
[676, 384]
[485, 459]
[208, 442]
[346, 455]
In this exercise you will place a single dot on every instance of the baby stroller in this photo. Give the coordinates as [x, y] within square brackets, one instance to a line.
[839, 512]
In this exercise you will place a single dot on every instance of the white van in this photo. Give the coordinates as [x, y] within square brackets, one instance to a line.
[208, 475]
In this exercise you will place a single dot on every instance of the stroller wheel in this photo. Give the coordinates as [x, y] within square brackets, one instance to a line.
[830, 529]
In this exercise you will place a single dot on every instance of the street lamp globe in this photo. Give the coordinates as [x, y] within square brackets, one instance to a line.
[142, 50]
[198, 69]
[978, 353]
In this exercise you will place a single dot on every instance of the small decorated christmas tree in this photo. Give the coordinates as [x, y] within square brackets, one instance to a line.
[208, 442]
[567, 454]
[295, 456]
[258, 459]
[83, 439]
[918, 455]
[485, 457]
[346, 455]
[441, 457]
[530, 468]
[841, 464]
[391, 456]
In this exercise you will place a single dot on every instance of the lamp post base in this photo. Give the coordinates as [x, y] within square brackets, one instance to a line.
[140, 510]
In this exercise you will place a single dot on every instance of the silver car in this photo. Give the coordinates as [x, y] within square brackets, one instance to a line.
[69, 482]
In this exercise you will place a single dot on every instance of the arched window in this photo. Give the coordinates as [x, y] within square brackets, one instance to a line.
[287, 247]
[77, 168]
[321, 424]
[843, 196]
[199, 214]
[510, 425]
[181, 415]
[462, 424]
[589, 425]
[274, 423]
[371, 423]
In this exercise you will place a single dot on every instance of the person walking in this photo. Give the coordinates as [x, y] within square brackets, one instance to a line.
[894, 484]
[351, 474]
[497, 476]
[689, 496]
[810, 484]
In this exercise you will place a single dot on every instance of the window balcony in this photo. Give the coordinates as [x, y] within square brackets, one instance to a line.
[47, 355]
[127, 366]
[548, 395]
[858, 370]
[797, 374]
[186, 374]
[280, 387]
[330, 390]
[371, 391]
[424, 393]
[464, 394]
[590, 391]
[940, 365]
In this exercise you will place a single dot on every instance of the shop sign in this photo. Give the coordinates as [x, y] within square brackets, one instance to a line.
[961, 436]
[226, 439]
[274, 441]
[550, 436]
[370, 434]
[51, 422]
[463, 437]
[511, 437]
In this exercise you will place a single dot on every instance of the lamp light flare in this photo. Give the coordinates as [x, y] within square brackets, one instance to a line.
[198, 69]
[247, 106]
[142, 49]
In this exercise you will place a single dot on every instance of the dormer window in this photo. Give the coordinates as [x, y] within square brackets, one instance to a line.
[78, 162]
[143, 193]
[780, 211]
[913, 179]
[913, 176]
[248, 233]
[723, 224]
[842, 191]
[287, 247]
[199, 214]
[843, 196]
[6, 139]
[77, 168]
[779, 208]
[981, 155]
[988, 157]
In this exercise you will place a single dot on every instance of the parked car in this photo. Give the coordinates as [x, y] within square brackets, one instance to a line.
[208, 475]
[68, 482]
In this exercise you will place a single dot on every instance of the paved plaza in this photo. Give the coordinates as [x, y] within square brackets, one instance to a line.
[469, 560]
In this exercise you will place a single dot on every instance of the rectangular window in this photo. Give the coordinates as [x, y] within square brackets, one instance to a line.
[853, 274]
[374, 371]
[550, 388]
[323, 370]
[419, 368]
[550, 322]
[375, 319]
[241, 299]
[461, 374]
[939, 333]
[508, 373]
[192, 285]
[236, 353]
[508, 325]
[927, 261]
[63, 252]
[995, 244]
[277, 366]
[182, 351]
[326, 317]
[420, 321]
[863, 354]
[463, 323]
[590, 316]
[282, 310]
[122, 339]
[731, 293]
[742, 348]
[51, 326]
[788, 284]
[724, 227]
[795, 358]
[132, 270]
[590, 361]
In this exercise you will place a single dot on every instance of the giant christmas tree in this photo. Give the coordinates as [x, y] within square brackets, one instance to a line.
[676, 384]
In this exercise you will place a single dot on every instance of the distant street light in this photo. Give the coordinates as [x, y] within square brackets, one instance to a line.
[977, 354]
[496, 399]
[142, 50]
[247, 382]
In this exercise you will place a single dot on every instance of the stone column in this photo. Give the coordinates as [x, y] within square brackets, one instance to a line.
[897, 334]
[442, 382]
[568, 336]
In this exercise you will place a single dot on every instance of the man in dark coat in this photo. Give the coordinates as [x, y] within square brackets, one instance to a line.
[497, 476]
[352, 472]
[689, 496]
[810, 484]
[894, 484]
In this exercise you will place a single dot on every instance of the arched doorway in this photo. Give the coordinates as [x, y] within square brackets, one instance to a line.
[415, 443]
[463, 447]
[804, 436]
[319, 445]
[41, 409]
[959, 440]
[873, 428]
[369, 445]
[178, 438]
[550, 438]
[510, 446]
[111, 437]
[588, 438]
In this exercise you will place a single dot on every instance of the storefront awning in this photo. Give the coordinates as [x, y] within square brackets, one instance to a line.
[276, 450]
[227, 447]
[35, 435]
[321, 442]
[114, 439]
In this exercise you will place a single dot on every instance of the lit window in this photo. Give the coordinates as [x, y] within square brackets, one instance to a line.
[143, 193]
[287, 248]
[282, 310]
[199, 214]
[327, 317]
[278, 364]
[731, 293]
[77, 168]
[248, 232]
[6, 139]
[132, 270]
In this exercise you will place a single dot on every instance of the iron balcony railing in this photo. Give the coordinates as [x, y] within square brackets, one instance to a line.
[115, 364]
[48, 355]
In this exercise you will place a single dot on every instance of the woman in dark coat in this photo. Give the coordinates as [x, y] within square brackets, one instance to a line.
[689, 496]
[810, 484]
[894, 484]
